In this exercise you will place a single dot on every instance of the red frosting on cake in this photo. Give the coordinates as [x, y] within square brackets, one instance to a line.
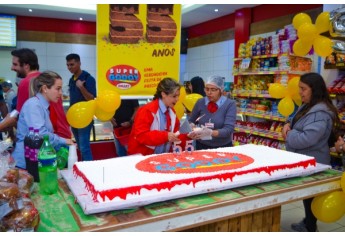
[200, 164]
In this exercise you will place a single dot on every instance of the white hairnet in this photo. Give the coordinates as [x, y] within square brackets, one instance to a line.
[217, 81]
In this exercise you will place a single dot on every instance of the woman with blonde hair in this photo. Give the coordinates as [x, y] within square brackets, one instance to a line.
[35, 113]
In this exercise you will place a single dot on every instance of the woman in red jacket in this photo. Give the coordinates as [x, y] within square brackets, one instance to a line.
[156, 125]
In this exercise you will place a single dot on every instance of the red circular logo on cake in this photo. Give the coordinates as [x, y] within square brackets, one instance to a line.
[123, 76]
[195, 162]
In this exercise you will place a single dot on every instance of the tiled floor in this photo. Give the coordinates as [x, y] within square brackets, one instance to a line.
[294, 212]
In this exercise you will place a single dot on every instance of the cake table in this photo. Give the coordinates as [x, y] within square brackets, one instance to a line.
[252, 208]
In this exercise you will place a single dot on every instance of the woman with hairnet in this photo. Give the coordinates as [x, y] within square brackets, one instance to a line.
[215, 115]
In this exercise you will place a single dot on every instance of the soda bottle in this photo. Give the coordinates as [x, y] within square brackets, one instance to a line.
[36, 144]
[27, 142]
[31, 165]
[47, 168]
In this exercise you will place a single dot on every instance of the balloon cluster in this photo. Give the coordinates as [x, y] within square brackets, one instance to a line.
[309, 34]
[80, 114]
[289, 95]
[187, 101]
[330, 207]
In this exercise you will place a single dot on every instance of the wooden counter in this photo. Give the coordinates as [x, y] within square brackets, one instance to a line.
[252, 208]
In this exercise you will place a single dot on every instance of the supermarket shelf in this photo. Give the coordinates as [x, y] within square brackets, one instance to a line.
[280, 72]
[335, 154]
[253, 95]
[258, 57]
[237, 143]
[274, 55]
[333, 95]
[262, 133]
[265, 115]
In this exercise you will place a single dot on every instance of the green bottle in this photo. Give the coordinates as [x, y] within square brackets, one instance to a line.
[47, 168]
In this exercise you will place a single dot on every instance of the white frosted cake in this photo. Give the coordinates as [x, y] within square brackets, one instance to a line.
[140, 180]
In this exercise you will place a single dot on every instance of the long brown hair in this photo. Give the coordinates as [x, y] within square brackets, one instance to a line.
[319, 93]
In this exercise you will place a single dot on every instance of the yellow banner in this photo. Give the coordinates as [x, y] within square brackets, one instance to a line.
[137, 46]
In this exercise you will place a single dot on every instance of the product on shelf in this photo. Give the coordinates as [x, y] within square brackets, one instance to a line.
[338, 85]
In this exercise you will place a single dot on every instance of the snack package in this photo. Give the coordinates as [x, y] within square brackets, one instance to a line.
[25, 183]
[11, 176]
[10, 198]
[24, 220]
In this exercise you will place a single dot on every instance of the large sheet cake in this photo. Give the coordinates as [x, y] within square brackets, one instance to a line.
[126, 182]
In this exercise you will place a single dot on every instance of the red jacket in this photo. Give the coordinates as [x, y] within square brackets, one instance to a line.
[145, 134]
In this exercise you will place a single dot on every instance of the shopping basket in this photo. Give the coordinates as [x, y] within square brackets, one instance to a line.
[122, 135]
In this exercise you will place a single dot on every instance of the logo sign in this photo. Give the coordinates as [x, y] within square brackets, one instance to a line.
[123, 76]
[196, 162]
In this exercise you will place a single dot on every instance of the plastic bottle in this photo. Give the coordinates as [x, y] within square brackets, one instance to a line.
[31, 166]
[27, 143]
[62, 158]
[72, 156]
[36, 144]
[47, 168]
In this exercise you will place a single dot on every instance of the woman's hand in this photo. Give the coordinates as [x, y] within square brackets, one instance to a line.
[285, 130]
[172, 137]
[339, 145]
[69, 142]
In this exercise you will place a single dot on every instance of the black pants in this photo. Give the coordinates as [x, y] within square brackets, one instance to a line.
[310, 219]
[200, 146]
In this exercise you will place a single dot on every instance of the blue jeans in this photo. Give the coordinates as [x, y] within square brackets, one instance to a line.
[82, 137]
[121, 151]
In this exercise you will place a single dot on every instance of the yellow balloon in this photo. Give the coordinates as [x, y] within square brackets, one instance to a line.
[80, 114]
[103, 116]
[277, 90]
[286, 106]
[190, 100]
[329, 207]
[108, 101]
[300, 19]
[323, 46]
[307, 32]
[301, 48]
[292, 86]
[323, 22]
[182, 94]
[297, 99]
[342, 182]
[179, 109]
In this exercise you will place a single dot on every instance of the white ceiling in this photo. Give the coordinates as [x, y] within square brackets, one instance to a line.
[192, 14]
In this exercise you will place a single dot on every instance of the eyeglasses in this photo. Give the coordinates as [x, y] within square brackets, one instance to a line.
[211, 90]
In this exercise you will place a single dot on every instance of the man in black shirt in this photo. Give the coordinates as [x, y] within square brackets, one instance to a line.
[122, 123]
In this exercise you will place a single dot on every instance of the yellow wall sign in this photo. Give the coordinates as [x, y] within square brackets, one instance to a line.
[137, 46]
